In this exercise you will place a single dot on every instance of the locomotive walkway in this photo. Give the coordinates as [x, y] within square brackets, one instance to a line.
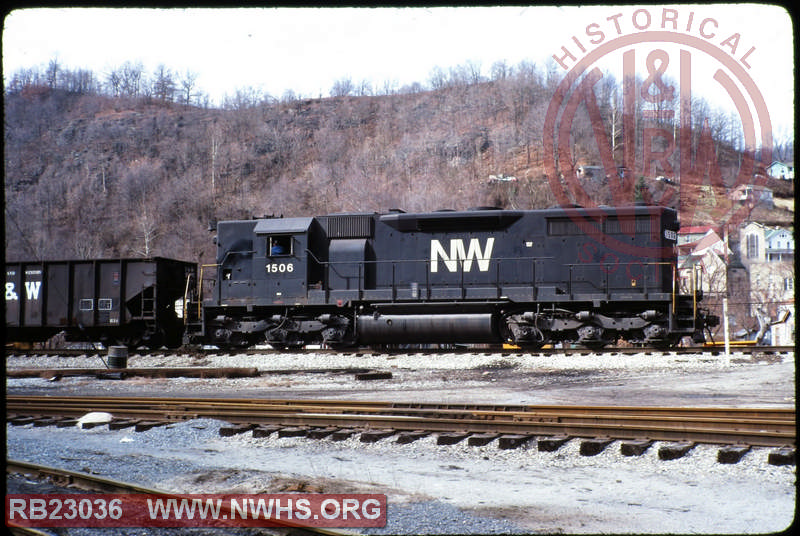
[638, 427]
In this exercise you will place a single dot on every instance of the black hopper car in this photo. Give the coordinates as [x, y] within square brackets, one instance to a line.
[530, 278]
[130, 302]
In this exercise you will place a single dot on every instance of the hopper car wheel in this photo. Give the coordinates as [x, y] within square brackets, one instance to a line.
[154, 341]
[173, 339]
[132, 342]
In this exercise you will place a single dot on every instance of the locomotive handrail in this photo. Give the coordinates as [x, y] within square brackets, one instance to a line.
[461, 284]
[200, 289]
[605, 273]
[185, 311]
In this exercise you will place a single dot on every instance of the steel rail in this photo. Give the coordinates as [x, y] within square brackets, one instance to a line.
[152, 372]
[752, 426]
[522, 412]
[713, 350]
[88, 482]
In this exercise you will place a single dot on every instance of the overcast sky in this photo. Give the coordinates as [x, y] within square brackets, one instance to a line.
[307, 50]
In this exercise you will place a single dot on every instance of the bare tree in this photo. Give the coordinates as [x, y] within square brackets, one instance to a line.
[53, 72]
[364, 88]
[164, 85]
[500, 70]
[147, 231]
[473, 68]
[131, 78]
[342, 87]
[114, 82]
[437, 79]
[187, 86]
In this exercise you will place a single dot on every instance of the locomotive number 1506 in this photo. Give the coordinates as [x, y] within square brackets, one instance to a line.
[280, 268]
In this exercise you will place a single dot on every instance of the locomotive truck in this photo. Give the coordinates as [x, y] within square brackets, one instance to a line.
[588, 276]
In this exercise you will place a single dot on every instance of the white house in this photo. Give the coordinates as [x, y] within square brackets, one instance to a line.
[687, 235]
[753, 195]
[709, 254]
[768, 254]
[779, 245]
[780, 170]
[759, 243]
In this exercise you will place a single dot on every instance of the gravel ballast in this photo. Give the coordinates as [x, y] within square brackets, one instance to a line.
[457, 488]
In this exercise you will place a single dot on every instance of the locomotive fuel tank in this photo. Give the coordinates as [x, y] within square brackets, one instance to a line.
[426, 328]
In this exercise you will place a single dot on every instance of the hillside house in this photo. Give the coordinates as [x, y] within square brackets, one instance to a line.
[772, 296]
[687, 235]
[759, 243]
[781, 170]
[708, 254]
[748, 194]
[599, 172]
[779, 245]
[768, 254]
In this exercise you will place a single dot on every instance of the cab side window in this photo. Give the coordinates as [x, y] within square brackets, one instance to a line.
[279, 246]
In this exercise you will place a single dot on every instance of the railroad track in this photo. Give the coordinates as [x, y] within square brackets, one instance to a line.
[176, 372]
[720, 426]
[93, 483]
[716, 350]
[149, 372]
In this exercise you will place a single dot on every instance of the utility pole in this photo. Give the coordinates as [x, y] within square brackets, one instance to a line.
[725, 299]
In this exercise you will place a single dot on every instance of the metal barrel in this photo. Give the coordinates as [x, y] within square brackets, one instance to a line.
[117, 356]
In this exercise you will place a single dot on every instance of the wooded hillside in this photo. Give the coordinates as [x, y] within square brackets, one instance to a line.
[97, 175]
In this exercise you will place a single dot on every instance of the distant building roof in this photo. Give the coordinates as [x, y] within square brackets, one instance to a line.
[698, 229]
[709, 242]
[769, 235]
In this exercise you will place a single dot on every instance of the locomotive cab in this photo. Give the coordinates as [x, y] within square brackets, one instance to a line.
[267, 262]
[285, 262]
[265, 267]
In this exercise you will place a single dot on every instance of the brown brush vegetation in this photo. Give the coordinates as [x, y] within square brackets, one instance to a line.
[121, 173]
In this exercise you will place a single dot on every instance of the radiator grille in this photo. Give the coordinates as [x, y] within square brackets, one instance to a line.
[350, 226]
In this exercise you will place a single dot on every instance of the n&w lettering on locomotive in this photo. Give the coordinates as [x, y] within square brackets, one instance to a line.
[491, 276]
[461, 258]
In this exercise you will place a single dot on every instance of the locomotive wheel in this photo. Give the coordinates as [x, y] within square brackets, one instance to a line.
[666, 344]
[594, 345]
[285, 347]
[531, 346]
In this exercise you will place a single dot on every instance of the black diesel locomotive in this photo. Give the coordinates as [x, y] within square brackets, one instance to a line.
[569, 275]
